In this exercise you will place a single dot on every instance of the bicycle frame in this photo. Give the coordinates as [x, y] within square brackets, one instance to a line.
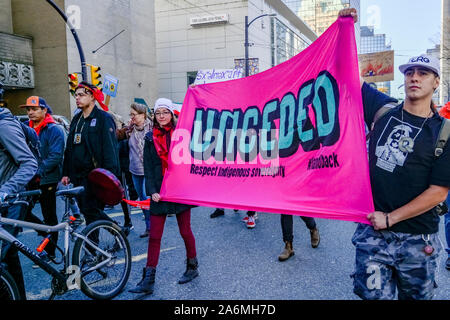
[29, 253]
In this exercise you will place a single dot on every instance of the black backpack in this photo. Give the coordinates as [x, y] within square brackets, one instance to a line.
[31, 138]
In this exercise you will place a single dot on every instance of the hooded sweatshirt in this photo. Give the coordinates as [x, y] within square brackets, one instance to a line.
[17, 163]
[48, 119]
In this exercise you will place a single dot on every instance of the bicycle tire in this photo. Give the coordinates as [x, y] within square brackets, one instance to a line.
[112, 240]
[8, 287]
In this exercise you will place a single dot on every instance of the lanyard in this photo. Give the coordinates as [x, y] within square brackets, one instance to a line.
[77, 137]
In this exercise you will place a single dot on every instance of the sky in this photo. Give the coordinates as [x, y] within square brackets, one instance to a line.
[411, 26]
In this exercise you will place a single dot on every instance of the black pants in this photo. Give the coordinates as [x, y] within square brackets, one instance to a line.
[123, 204]
[90, 206]
[10, 255]
[47, 199]
[287, 225]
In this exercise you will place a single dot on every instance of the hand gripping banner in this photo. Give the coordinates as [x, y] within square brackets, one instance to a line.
[289, 140]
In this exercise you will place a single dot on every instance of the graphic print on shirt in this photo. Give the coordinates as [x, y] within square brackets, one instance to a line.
[387, 150]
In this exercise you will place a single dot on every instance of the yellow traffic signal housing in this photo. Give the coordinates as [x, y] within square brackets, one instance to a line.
[95, 76]
[73, 82]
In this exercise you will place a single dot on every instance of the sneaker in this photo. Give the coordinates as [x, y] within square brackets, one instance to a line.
[144, 235]
[245, 219]
[217, 213]
[251, 222]
[447, 264]
[44, 257]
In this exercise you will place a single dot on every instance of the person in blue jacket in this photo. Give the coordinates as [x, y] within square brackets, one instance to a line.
[17, 166]
[51, 137]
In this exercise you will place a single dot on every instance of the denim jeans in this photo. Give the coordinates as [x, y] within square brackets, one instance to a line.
[447, 227]
[139, 185]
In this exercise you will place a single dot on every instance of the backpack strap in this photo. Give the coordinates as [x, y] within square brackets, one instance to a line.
[444, 135]
[381, 112]
[378, 115]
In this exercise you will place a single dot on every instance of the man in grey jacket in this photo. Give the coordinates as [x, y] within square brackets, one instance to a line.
[17, 167]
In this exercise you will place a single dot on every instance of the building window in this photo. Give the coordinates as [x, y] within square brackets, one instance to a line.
[286, 43]
[191, 75]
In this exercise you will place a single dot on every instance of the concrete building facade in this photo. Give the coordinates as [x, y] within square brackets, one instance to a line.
[209, 34]
[130, 56]
[436, 53]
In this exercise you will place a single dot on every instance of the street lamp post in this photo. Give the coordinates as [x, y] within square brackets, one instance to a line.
[246, 44]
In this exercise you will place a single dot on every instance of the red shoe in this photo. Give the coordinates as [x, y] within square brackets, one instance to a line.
[245, 219]
[251, 222]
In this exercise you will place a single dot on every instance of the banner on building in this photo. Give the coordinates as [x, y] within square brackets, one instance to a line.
[217, 75]
[377, 67]
[288, 140]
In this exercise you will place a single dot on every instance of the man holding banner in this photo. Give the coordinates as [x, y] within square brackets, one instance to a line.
[400, 249]
[291, 139]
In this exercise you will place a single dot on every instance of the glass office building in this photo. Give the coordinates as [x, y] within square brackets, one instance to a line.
[286, 43]
[320, 14]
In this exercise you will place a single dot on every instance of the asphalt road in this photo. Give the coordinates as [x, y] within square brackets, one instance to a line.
[236, 263]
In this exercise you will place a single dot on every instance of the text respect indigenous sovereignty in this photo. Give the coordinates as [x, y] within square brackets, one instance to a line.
[288, 140]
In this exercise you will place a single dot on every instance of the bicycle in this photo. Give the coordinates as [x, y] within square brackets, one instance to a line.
[101, 258]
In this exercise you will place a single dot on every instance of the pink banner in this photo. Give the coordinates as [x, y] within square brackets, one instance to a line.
[288, 140]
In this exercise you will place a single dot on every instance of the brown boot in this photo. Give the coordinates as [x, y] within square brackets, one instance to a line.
[287, 252]
[315, 237]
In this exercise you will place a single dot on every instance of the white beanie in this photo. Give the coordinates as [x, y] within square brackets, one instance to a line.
[163, 103]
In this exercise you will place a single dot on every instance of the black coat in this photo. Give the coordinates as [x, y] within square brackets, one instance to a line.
[154, 178]
[101, 143]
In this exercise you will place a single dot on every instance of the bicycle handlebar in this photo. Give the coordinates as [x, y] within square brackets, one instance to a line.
[23, 194]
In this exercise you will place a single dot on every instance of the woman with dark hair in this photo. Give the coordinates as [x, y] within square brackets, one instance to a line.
[156, 156]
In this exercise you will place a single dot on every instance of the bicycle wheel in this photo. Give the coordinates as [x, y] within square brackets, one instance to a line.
[8, 287]
[102, 277]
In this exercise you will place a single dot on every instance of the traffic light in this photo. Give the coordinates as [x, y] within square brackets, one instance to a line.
[95, 76]
[73, 82]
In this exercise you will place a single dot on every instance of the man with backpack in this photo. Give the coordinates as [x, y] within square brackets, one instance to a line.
[51, 138]
[17, 166]
[410, 177]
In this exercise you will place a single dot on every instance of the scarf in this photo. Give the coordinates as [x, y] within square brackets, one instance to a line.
[161, 140]
[138, 135]
[445, 111]
[48, 119]
[98, 95]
